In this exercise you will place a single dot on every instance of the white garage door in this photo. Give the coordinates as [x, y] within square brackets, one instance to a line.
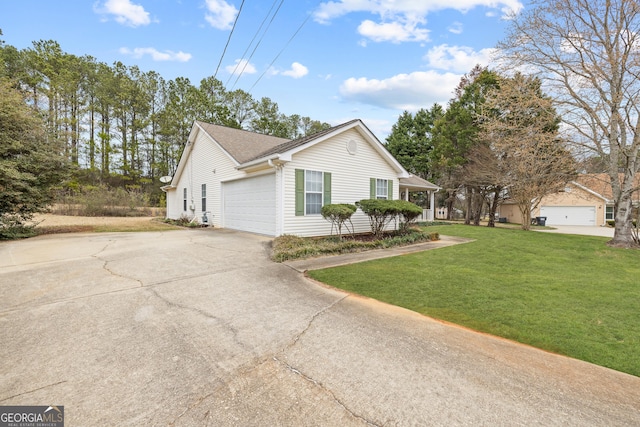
[569, 215]
[250, 204]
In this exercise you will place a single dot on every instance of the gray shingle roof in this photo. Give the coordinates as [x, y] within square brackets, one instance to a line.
[242, 145]
[290, 145]
[245, 146]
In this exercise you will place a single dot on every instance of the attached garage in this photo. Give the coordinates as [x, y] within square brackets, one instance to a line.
[250, 204]
[569, 215]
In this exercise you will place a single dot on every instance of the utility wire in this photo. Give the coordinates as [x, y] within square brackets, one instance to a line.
[228, 39]
[282, 50]
[258, 44]
[251, 42]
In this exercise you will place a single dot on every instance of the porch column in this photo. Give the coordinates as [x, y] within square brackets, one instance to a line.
[432, 205]
[406, 194]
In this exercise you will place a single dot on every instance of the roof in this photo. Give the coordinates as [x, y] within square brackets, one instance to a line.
[416, 183]
[250, 150]
[242, 145]
[600, 184]
[290, 145]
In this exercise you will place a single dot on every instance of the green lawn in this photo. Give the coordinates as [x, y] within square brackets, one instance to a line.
[567, 294]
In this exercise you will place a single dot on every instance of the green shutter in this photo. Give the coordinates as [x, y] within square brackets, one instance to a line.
[390, 195]
[327, 189]
[372, 188]
[299, 192]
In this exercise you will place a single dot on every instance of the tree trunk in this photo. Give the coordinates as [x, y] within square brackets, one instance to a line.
[493, 207]
[469, 200]
[623, 234]
[525, 212]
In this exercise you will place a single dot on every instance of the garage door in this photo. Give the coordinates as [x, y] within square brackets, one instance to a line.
[569, 215]
[250, 204]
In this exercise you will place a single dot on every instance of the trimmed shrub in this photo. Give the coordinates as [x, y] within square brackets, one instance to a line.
[409, 212]
[382, 212]
[338, 214]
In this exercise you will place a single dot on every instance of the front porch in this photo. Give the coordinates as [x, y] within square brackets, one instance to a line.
[415, 184]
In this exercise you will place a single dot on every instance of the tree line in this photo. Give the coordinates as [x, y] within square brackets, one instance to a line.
[501, 134]
[122, 126]
[497, 138]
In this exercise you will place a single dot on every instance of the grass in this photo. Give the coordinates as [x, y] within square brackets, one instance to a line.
[567, 294]
[151, 225]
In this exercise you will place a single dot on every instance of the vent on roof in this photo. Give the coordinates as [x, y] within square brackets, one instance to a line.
[352, 146]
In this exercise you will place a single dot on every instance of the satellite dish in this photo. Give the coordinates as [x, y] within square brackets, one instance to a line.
[165, 179]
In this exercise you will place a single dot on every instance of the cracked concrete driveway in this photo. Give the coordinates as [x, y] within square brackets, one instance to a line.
[198, 327]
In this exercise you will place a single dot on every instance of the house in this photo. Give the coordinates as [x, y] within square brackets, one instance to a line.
[586, 201]
[241, 180]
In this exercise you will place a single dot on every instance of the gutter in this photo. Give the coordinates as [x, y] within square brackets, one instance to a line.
[271, 161]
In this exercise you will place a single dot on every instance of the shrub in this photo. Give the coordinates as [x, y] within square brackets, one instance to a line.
[338, 215]
[13, 227]
[409, 212]
[289, 247]
[382, 212]
[103, 201]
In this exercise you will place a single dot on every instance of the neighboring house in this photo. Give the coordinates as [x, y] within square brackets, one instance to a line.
[246, 181]
[586, 201]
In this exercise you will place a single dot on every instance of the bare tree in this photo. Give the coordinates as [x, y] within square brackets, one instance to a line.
[521, 127]
[587, 52]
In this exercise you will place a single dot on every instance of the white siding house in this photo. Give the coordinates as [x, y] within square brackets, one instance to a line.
[274, 186]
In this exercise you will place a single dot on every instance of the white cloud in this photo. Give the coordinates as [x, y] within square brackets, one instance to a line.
[458, 58]
[297, 71]
[395, 32]
[156, 55]
[221, 14]
[387, 9]
[125, 12]
[410, 92]
[456, 28]
[241, 66]
[399, 19]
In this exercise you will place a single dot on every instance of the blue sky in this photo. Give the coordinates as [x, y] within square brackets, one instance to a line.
[330, 60]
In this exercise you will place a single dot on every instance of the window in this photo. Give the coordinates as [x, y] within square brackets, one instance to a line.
[184, 199]
[313, 190]
[204, 197]
[609, 213]
[382, 188]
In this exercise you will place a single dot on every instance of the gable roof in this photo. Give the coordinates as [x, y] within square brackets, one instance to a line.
[249, 149]
[600, 184]
[240, 144]
[290, 145]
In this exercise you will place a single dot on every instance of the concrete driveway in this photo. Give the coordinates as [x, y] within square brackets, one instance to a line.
[198, 327]
[578, 229]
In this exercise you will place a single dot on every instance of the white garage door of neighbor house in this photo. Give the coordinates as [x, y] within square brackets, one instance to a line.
[250, 204]
[569, 215]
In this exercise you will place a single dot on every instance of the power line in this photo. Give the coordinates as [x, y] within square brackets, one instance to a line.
[228, 39]
[282, 50]
[251, 42]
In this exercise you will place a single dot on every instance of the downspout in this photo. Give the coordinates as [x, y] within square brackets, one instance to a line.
[279, 196]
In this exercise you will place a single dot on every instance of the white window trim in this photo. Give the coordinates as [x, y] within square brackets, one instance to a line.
[381, 196]
[306, 191]
[203, 197]
[184, 199]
